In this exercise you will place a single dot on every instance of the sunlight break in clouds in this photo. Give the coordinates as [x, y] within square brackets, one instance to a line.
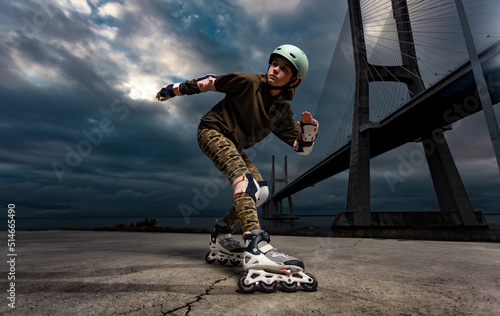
[265, 6]
[263, 10]
[80, 6]
[43, 75]
[113, 9]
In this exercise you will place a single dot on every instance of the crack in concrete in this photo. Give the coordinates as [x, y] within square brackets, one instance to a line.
[199, 297]
[357, 242]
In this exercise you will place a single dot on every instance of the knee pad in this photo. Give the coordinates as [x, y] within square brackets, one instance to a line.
[258, 190]
[263, 193]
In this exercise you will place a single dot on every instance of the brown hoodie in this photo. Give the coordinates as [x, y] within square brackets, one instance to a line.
[248, 112]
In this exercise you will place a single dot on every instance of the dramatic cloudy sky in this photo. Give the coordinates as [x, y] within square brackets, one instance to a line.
[82, 135]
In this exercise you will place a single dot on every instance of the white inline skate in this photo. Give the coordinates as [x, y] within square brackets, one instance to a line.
[265, 267]
[223, 247]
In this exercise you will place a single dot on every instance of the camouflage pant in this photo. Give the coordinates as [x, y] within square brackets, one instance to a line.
[232, 163]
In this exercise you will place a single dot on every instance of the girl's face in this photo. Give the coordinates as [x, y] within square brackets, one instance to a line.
[280, 72]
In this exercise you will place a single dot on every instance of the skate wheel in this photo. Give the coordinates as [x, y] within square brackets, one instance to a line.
[309, 287]
[245, 288]
[234, 263]
[222, 261]
[288, 287]
[207, 258]
[268, 288]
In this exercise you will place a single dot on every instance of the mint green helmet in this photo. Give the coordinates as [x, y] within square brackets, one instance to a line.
[295, 56]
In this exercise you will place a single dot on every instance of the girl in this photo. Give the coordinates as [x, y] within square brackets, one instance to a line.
[253, 107]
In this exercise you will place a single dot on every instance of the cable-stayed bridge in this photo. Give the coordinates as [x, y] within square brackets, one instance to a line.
[402, 72]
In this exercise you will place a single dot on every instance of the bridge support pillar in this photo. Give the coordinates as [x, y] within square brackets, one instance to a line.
[449, 188]
[456, 209]
[273, 208]
[358, 192]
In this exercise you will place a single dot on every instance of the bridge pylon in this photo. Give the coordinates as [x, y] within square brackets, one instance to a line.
[273, 208]
[455, 206]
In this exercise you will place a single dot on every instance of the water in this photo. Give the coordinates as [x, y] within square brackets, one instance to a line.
[321, 223]
[190, 222]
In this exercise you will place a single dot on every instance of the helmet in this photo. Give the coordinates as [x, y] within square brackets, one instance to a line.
[295, 56]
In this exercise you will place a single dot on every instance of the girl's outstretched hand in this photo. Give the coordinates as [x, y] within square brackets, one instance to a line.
[307, 119]
[160, 98]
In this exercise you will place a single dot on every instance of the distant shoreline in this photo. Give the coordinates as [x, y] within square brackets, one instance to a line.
[445, 234]
[306, 225]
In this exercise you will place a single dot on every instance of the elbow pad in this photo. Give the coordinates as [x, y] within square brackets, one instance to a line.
[206, 83]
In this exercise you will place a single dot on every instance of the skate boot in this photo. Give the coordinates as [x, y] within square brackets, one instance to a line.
[265, 267]
[223, 247]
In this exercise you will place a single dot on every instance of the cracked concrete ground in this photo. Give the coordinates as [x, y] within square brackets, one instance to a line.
[121, 273]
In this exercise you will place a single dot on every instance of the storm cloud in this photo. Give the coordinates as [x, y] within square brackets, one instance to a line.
[83, 135]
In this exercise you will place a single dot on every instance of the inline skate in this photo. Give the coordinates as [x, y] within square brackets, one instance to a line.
[223, 247]
[266, 267]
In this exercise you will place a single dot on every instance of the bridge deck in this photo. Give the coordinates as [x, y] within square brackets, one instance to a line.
[450, 99]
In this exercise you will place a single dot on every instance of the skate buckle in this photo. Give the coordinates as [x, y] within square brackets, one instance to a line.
[286, 271]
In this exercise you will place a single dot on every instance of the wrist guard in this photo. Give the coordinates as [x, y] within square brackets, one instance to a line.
[304, 145]
[171, 90]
